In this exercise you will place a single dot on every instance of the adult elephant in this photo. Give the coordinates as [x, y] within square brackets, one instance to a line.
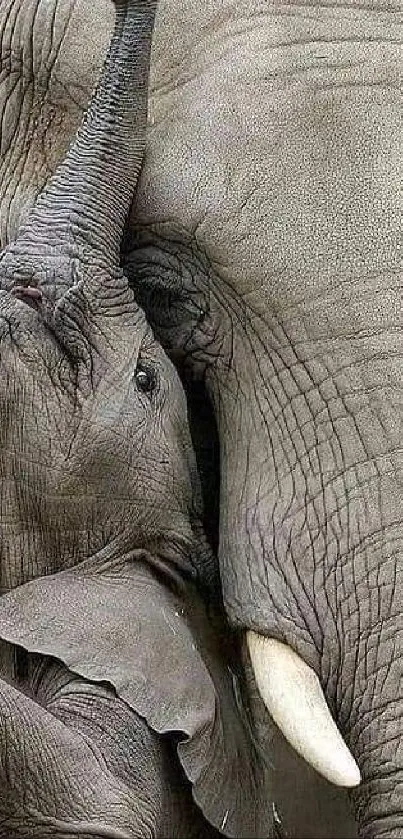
[267, 246]
[269, 230]
[118, 705]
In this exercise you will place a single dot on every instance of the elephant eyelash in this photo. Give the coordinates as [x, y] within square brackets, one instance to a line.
[145, 379]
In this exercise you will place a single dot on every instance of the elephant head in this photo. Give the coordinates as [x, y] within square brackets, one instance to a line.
[85, 409]
[102, 551]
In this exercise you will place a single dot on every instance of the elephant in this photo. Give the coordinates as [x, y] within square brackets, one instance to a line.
[121, 690]
[264, 247]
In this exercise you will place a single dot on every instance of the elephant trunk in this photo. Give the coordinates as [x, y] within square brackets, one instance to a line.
[82, 211]
[376, 739]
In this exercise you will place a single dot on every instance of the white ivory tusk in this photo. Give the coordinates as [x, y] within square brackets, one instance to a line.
[293, 696]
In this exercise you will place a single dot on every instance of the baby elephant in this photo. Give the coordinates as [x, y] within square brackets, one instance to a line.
[117, 699]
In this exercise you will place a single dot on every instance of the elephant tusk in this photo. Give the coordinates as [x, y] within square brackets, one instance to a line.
[292, 694]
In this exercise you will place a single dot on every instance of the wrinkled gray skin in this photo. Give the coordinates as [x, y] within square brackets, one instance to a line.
[118, 697]
[90, 765]
[269, 205]
[271, 216]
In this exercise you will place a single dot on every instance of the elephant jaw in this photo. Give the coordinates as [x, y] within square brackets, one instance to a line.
[292, 694]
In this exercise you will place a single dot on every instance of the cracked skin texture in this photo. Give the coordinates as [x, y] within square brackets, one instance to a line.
[130, 791]
[269, 191]
[97, 465]
[283, 173]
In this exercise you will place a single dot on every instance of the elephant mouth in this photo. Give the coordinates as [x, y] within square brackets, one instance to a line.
[30, 295]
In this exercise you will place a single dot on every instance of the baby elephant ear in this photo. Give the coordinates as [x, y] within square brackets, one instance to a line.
[120, 624]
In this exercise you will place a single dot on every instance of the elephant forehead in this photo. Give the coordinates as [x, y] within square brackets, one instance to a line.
[267, 129]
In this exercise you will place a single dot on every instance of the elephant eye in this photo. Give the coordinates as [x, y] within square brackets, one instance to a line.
[145, 379]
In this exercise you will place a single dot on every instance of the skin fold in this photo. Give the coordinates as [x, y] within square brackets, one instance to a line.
[264, 246]
[119, 690]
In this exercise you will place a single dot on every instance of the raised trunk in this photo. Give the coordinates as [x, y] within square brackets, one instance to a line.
[82, 211]
[378, 801]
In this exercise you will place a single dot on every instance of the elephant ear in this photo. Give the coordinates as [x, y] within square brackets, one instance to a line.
[37, 798]
[159, 651]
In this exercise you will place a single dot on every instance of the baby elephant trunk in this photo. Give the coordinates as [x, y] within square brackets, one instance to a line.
[79, 218]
